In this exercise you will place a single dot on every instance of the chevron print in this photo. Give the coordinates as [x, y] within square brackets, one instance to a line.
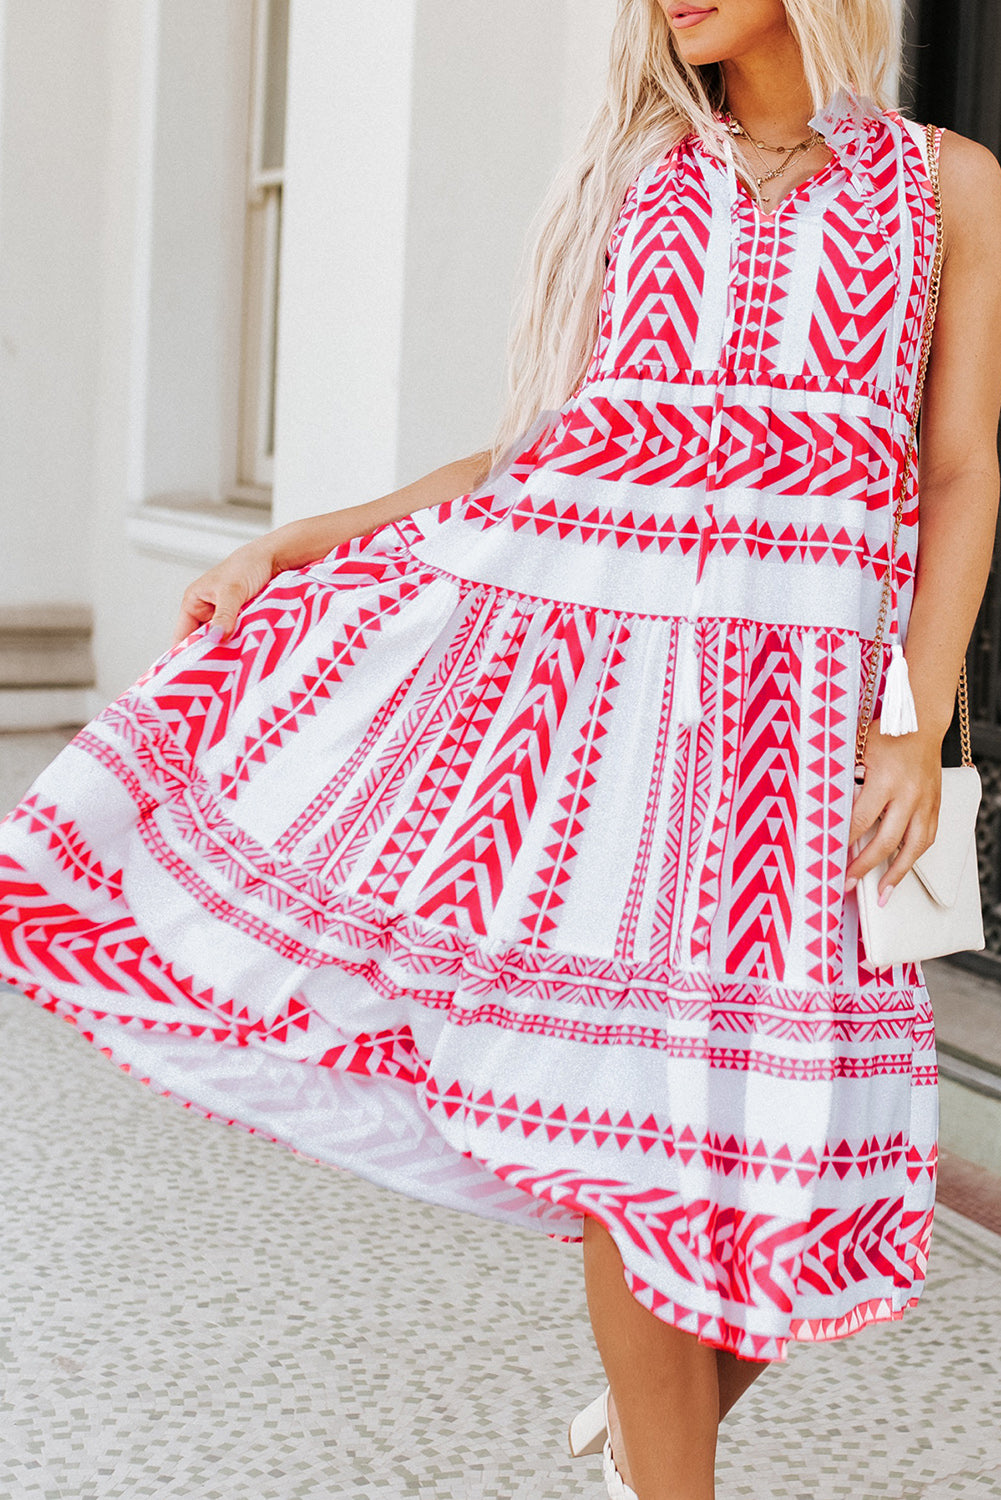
[282, 719]
[675, 852]
[468, 879]
[297, 834]
[370, 782]
[655, 311]
[609, 438]
[827, 784]
[202, 694]
[449, 739]
[649, 847]
[130, 739]
[756, 1261]
[766, 813]
[429, 837]
[790, 454]
[550, 883]
[733, 678]
[856, 293]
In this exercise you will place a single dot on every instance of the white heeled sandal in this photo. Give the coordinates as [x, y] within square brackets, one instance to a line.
[589, 1434]
[589, 1428]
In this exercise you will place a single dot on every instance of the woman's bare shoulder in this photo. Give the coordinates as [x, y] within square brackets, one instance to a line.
[970, 176]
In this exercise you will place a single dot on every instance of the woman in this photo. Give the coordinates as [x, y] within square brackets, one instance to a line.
[509, 814]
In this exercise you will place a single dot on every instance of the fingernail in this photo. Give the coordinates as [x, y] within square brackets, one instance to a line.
[215, 633]
[850, 884]
[884, 898]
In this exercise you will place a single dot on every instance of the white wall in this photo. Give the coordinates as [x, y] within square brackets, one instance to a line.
[421, 138]
[587, 33]
[343, 245]
[134, 596]
[486, 138]
[191, 240]
[52, 129]
[172, 220]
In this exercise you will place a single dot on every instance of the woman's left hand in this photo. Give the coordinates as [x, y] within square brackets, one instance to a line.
[903, 787]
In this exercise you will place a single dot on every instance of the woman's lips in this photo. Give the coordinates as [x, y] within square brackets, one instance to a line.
[691, 17]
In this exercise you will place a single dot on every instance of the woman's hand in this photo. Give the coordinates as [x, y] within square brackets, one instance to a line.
[903, 787]
[219, 595]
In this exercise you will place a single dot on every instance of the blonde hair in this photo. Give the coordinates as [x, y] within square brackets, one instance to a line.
[653, 98]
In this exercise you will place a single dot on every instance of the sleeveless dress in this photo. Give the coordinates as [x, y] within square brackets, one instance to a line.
[433, 871]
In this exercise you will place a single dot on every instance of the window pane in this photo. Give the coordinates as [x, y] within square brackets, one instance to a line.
[275, 78]
[271, 354]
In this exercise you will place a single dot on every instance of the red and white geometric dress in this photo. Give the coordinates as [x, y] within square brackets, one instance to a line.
[434, 872]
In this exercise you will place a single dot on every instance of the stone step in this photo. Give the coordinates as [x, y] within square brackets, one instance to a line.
[969, 1189]
[969, 1121]
[45, 646]
[967, 1009]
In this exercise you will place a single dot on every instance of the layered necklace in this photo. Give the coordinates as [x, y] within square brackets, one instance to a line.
[788, 153]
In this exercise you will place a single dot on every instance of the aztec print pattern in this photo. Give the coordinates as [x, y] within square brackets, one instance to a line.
[422, 873]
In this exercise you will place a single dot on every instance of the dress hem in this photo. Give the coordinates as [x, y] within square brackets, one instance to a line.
[709, 1328]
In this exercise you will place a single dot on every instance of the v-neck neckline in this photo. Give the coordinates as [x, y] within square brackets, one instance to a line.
[744, 195]
[801, 190]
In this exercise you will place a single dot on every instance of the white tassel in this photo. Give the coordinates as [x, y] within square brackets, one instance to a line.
[898, 715]
[687, 678]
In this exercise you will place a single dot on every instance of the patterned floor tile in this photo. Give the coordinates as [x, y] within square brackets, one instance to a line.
[194, 1314]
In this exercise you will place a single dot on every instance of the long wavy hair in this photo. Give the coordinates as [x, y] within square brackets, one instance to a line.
[653, 98]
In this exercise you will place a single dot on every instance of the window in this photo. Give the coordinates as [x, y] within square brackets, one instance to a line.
[265, 174]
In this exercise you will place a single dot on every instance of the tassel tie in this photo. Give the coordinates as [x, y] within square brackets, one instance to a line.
[687, 703]
[898, 714]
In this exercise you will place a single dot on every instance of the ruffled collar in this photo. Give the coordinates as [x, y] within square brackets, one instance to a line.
[846, 122]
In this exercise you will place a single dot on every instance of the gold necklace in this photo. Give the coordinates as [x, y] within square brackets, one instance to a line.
[733, 125]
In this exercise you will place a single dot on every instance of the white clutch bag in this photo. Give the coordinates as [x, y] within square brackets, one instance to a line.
[936, 908]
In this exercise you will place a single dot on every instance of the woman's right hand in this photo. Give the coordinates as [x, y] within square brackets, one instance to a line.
[217, 597]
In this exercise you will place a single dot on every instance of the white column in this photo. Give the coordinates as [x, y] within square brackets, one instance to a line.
[52, 115]
[487, 138]
[171, 235]
[3, 94]
[190, 244]
[421, 137]
[343, 247]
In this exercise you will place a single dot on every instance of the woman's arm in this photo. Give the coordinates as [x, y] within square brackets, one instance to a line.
[958, 470]
[219, 594]
[958, 485]
[301, 542]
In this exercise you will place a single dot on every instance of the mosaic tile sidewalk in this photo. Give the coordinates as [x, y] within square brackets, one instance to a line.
[190, 1313]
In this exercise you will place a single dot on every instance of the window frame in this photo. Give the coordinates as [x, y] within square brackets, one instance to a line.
[261, 267]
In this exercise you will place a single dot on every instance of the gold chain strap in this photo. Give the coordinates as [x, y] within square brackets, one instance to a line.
[964, 718]
[876, 658]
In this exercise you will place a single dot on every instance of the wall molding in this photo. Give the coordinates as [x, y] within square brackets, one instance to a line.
[194, 530]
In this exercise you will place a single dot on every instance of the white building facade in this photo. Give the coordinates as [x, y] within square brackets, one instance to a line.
[256, 262]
